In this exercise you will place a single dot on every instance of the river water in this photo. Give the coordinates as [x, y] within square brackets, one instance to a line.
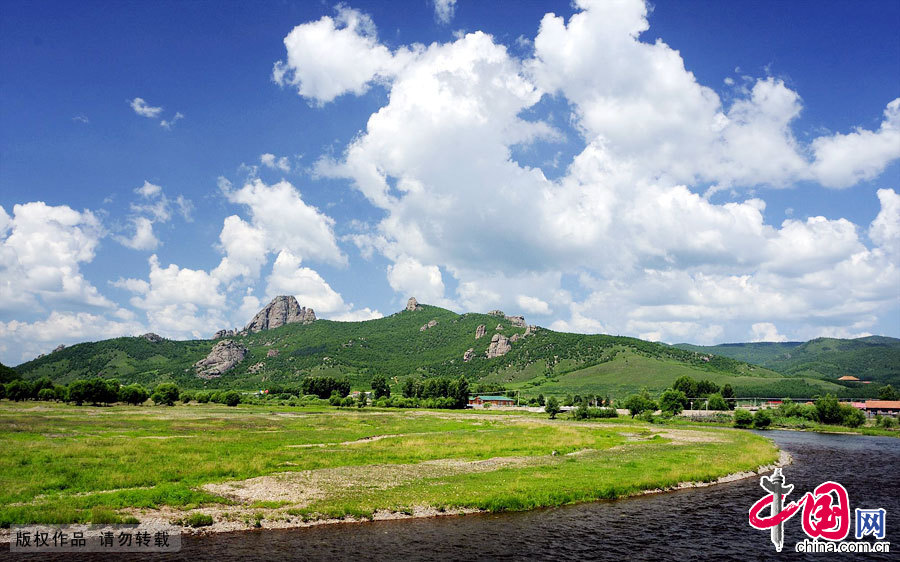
[705, 523]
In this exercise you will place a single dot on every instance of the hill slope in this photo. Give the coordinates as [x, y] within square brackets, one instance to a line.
[873, 358]
[396, 346]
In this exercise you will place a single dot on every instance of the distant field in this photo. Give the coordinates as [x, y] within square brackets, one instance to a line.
[630, 372]
[281, 466]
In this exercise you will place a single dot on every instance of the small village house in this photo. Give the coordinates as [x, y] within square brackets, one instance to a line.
[882, 407]
[480, 401]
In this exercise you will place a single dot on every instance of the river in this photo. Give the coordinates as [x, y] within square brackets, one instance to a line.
[705, 523]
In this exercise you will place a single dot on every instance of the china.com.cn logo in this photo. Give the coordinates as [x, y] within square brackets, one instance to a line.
[826, 515]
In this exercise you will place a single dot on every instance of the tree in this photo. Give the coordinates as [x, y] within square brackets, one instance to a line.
[672, 402]
[133, 394]
[540, 400]
[687, 385]
[79, 392]
[46, 395]
[552, 407]
[39, 385]
[380, 387]
[166, 393]
[2, 391]
[232, 398]
[828, 409]
[728, 395]
[716, 402]
[18, 390]
[638, 403]
[459, 392]
[409, 388]
[362, 401]
[887, 392]
[706, 387]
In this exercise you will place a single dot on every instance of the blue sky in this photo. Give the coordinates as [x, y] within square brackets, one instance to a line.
[682, 171]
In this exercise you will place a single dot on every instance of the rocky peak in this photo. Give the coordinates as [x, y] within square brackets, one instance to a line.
[517, 321]
[224, 334]
[282, 310]
[223, 357]
[412, 304]
[499, 346]
[60, 347]
[152, 338]
[496, 313]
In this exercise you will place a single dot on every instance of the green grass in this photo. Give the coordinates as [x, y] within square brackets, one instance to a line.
[61, 464]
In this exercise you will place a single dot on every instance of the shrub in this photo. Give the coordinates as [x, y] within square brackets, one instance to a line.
[647, 416]
[852, 417]
[186, 397]
[887, 422]
[232, 398]
[789, 409]
[347, 402]
[582, 412]
[197, 520]
[716, 402]
[742, 418]
[2, 391]
[762, 419]
[46, 394]
[203, 397]
[166, 393]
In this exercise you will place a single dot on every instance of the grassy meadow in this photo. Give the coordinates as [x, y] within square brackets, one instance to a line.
[258, 465]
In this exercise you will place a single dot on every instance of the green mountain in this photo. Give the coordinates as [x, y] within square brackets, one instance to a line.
[873, 358]
[403, 344]
[7, 374]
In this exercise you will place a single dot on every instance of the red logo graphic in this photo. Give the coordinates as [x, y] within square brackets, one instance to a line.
[826, 510]
[821, 519]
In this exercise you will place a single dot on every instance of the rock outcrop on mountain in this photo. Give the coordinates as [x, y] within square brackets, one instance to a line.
[272, 353]
[152, 338]
[431, 324]
[499, 346]
[530, 330]
[517, 321]
[497, 313]
[282, 310]
[469, 354]
[479, 331]
[60, 347]
[499, 327]
[224, 334]
[223, 357]
[412, 304]
[514, 338]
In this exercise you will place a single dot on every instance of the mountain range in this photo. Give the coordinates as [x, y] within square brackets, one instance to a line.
[285, 343]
